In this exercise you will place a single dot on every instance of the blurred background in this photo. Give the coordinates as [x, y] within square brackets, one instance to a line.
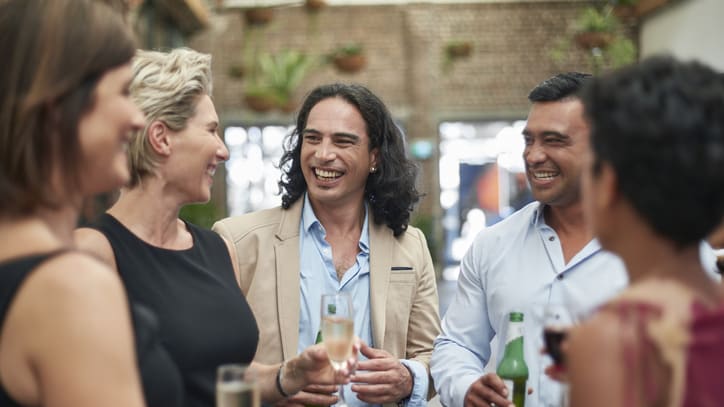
[455, 75]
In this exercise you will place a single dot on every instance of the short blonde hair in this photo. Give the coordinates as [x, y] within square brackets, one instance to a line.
[167, 87]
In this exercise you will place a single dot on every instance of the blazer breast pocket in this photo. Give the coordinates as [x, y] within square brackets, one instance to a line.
[402, 275]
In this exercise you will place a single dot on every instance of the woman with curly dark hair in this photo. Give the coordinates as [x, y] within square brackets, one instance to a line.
[652, 192]
[348, 190]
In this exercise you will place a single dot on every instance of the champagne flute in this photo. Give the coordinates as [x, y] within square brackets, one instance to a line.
[338, 332]
[236, 387]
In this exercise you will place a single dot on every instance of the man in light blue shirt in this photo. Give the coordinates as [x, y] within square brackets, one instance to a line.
[349, 190]
[541, 254]
[318, 276]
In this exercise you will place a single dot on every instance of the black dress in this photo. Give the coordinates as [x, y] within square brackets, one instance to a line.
[160, 377]
[204, 319]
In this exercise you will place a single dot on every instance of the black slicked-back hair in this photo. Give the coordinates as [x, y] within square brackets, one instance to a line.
[558, 87]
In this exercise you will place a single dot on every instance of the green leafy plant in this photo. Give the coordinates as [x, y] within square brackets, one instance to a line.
[348, 57]
[353, 48]
[426, 224]
[601, 35]
[203, 215]
[453, 50]
[593, 19]
[277, 76]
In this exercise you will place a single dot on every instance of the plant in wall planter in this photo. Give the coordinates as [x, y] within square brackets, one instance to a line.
[454, 50]
[315, 5]
[624, 9]
[275, 80]
[236, 71]
[349, 58]
[258, 15]
[601, 35]
[595, 28]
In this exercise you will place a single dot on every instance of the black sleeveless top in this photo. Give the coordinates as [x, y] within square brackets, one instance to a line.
[204, 318]
[159, 375]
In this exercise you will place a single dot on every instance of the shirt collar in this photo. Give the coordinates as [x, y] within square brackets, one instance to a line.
[538, 219]
[309, 219]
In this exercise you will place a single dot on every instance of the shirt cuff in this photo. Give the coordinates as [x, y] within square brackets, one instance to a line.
[420, 380]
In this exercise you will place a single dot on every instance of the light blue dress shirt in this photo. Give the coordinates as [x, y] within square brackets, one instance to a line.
[516, 265]
[318, 276]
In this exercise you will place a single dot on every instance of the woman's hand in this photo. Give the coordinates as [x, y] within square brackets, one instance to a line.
[313, 367]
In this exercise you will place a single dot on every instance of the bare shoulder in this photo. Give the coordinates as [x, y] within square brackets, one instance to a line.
[69, 290]
[95, 242]
[72, 311]
[597, 343]
[74, 276]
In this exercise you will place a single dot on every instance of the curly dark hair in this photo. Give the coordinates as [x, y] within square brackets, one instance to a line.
[560, 86]
[660, 125]
[390, 191]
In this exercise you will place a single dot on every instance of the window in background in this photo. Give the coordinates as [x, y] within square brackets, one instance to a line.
[482, 181]
[252, 172]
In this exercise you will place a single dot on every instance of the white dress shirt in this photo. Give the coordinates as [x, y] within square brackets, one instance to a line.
[516, 265]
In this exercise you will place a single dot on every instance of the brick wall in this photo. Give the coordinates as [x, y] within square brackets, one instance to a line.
[512, 42]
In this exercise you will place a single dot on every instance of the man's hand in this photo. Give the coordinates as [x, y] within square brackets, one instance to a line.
[312, 395]
[488, 390]
[384, 380]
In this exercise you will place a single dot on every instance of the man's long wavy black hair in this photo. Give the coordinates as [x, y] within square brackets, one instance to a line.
[390, 190]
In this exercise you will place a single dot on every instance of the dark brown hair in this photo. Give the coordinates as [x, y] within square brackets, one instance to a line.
[56, 51]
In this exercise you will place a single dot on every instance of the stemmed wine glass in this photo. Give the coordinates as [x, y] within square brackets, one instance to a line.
[558, 319]
[338, 332]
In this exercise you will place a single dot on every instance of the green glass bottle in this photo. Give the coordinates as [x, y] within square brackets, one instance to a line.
[512, 368]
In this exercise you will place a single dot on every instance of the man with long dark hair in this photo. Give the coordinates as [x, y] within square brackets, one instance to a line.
[348, 191]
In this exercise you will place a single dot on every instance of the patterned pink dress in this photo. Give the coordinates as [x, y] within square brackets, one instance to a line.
[672, 361]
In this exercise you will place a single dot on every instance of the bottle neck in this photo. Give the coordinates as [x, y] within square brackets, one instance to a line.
[514, 338]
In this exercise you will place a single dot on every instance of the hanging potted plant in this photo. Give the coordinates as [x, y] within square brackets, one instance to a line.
[595, 28]
[258, 15]
[276, 79]
[458, 49]
[315, 5]
[349, 58]
[455, 50]
[624, 9]
[601, 35]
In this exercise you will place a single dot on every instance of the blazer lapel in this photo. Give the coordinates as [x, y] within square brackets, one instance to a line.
[381, 250]
[286, 253]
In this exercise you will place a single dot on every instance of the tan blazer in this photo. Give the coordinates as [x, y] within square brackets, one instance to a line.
[403, 292]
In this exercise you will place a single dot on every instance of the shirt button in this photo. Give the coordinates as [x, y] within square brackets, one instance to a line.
[552, 238]
[560, 276]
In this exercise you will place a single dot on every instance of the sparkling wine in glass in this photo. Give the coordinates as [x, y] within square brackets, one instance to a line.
[236, 387]
[338, 331]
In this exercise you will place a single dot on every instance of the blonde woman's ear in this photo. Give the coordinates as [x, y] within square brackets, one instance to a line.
[159, 137]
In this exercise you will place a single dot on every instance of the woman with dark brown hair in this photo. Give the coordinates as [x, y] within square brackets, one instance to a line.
[67, 337]
[652, 191]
